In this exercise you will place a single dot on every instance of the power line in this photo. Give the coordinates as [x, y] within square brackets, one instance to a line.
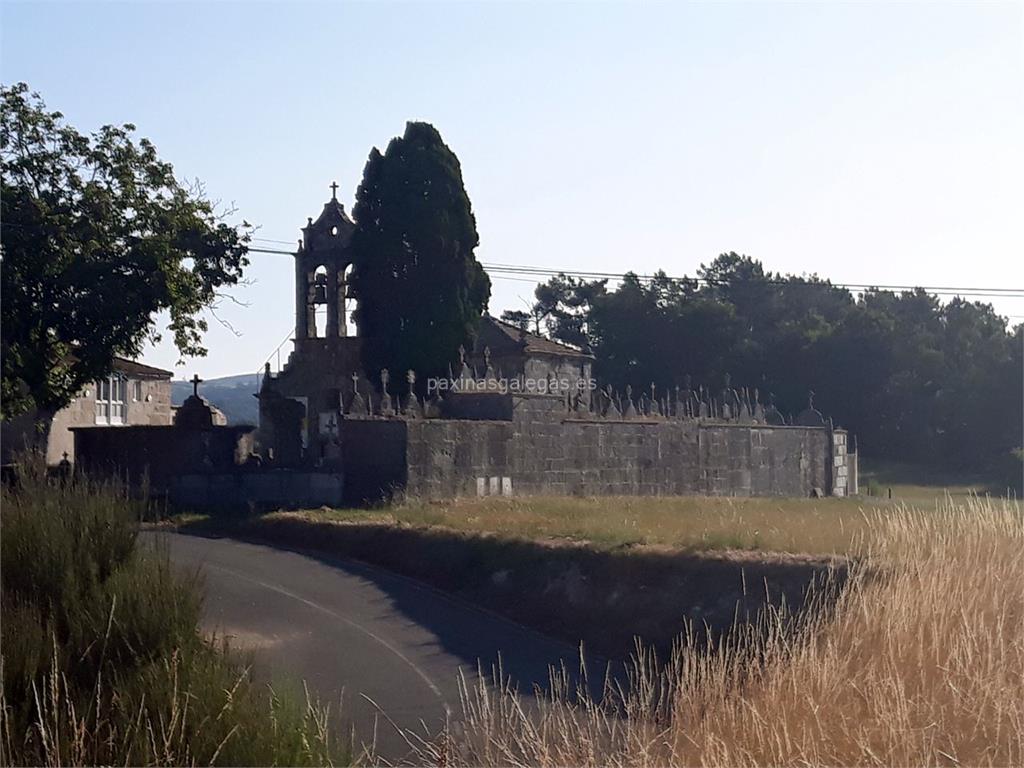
[549, 272]
[271, 240]
[522, 273]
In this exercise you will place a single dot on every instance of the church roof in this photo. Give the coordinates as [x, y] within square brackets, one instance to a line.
[504, 337]
[139, 370]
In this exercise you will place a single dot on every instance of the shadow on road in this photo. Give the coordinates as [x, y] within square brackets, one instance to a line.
[606, 600]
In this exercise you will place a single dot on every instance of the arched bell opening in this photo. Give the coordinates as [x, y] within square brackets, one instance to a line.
[316, 301]
[348, 303]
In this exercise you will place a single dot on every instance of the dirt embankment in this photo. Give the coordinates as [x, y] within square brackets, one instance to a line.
[571, 590]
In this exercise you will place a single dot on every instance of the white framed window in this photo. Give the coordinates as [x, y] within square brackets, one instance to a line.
[137, 391]
[111, 394]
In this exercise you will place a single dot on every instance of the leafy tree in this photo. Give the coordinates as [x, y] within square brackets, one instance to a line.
[98, 237]
[419, 287]
[564, 304]
[659, 333]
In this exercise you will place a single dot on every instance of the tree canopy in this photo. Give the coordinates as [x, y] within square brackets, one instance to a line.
[420, 290]
[98, 237]
[912, 378]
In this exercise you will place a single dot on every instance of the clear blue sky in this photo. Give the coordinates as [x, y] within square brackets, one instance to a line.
[870, 143]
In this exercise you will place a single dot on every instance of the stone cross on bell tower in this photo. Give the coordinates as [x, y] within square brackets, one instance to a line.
[321, 262]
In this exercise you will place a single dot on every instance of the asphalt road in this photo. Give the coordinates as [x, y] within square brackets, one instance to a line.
[372, 640]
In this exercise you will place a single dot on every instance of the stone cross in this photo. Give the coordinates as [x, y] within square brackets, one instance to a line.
[462, 355]
[196, 381]
[385, 377]
[410, 376]
[355, 382]
[334, 190]
[487, 357]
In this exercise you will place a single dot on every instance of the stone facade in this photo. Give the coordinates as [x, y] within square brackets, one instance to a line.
[318, 375]
[133, 395]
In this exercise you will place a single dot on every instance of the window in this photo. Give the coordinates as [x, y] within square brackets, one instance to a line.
[136, 391]
[111, 394]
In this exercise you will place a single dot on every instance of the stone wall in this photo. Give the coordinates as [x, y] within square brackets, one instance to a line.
[264, 489]
[159, 453]
[537, 453]
[446, 458]
[373, 454]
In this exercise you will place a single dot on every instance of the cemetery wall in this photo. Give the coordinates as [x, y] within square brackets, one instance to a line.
[536, 454]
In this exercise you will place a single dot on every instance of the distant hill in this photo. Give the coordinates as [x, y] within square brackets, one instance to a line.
[232, 394]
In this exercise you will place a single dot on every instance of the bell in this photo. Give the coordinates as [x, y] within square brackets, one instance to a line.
[320, 289]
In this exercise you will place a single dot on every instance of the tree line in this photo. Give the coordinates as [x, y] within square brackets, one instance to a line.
[915, 379]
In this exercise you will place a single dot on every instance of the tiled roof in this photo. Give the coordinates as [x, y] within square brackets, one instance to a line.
[140, 370]
[502, 337]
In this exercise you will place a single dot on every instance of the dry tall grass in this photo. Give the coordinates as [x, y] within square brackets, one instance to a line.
[919, 660]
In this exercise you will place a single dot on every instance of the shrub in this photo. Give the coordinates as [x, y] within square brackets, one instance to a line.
[102, 661]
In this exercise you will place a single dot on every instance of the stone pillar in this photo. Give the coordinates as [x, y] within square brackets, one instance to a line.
[342, 292]
[301, 300]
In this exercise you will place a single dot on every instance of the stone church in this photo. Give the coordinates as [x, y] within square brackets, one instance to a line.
[521, 415]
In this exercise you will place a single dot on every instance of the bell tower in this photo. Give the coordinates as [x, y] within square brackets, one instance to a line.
[321, 262]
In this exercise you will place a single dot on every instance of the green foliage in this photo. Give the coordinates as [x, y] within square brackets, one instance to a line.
[420, 289]
[518, 318]
[913, 379]
[98, 236]
[102, 662]
[564, 304]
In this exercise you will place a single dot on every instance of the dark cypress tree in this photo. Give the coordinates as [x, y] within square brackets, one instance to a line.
[419, 288]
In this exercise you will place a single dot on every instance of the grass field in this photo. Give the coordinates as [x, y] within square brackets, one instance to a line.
[828, 526]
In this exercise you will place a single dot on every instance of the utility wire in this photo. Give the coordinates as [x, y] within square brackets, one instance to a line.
[521, 273]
